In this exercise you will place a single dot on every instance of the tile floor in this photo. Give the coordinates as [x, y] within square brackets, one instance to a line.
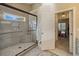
[60, 52]
[63, 44]
[37, 52]
[13, 50]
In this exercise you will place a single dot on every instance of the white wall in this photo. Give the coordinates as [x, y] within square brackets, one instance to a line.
[46, 26]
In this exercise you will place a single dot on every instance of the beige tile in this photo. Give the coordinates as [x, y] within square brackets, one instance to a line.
[38, 52]
[13, 50]
[60, 52]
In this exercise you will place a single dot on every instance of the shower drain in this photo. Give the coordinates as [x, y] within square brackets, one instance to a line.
[19, 47]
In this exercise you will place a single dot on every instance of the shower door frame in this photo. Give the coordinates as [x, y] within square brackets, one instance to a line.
[9, 6]
[20, 10]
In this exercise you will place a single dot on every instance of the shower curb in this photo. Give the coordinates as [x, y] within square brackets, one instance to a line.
[26, 50]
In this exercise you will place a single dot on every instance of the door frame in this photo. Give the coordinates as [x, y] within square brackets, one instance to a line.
[74, 27]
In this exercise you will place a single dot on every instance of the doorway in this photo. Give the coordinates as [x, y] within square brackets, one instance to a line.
[65, 31]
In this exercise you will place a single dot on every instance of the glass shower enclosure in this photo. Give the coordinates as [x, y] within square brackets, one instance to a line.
[17, 30]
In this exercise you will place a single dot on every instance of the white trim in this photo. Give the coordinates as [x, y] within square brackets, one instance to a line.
[65, 10]
[74, 31]
[74, 26]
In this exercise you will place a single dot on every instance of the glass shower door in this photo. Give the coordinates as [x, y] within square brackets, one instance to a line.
[32, 27]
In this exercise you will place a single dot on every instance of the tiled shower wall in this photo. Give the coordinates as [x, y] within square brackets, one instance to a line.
[22, 35]
[15, 37]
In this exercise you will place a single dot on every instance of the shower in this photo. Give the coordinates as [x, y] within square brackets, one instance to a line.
[17, 30]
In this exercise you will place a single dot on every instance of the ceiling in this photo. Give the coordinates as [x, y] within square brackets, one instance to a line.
[27, 3]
